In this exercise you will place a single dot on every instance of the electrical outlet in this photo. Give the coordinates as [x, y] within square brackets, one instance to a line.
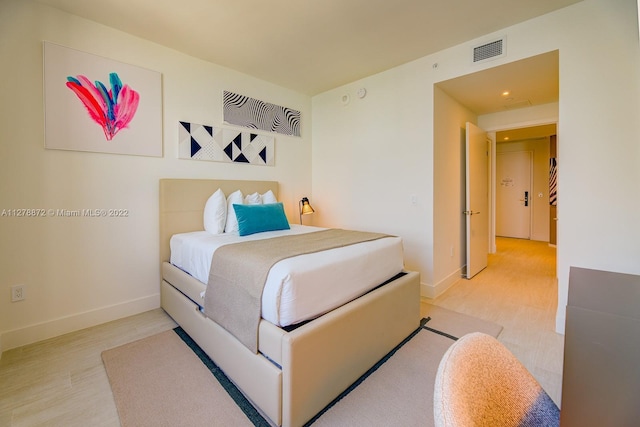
[17, 293]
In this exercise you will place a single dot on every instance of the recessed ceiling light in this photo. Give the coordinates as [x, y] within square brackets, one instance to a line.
[506, 138]
[506, 93]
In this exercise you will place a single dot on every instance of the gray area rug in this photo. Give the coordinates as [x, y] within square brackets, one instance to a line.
[149, 390]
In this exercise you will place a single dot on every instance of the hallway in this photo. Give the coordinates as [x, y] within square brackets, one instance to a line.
[518, 290]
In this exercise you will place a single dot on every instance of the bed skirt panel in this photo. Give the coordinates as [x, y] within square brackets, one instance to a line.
[258, 379]
[324, 357]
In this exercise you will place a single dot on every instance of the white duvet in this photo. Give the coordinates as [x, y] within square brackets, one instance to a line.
[305, 286]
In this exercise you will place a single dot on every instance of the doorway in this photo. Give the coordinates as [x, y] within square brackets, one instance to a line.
[533, 99]
[513, 190]
[528, 180]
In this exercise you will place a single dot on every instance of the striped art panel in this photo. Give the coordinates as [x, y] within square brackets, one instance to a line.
[553, 182]
[255, 114]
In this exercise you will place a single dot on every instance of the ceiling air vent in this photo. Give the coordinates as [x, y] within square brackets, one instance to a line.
[487, 51]
[518, 104]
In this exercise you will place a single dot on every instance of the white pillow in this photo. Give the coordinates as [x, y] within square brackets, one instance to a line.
[253, 199]
[268, 197]
[215, 213]
[232, 221]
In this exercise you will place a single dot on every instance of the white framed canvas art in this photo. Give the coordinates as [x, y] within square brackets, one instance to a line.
[206, 142]
[97, 104]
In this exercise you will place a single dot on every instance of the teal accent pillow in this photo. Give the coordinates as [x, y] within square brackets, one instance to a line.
[258, 218]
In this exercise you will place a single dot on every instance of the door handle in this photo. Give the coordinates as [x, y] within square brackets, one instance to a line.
[470, 213]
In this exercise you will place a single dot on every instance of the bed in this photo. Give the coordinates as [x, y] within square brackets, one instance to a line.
[297, 371]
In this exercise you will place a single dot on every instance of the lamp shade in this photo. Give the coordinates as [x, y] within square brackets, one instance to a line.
[305, 208]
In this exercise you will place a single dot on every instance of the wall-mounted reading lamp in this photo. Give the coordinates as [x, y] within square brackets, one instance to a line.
[305, 208]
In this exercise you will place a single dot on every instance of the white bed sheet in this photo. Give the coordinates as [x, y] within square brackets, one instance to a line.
[305, 286]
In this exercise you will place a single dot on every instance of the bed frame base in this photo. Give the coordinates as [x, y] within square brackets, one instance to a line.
[320, 359]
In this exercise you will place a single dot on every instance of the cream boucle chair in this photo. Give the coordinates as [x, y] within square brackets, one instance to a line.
[481, 383]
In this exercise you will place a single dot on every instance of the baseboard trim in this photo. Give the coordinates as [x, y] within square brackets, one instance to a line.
[63, 325]
[434, 291]
[561, 320]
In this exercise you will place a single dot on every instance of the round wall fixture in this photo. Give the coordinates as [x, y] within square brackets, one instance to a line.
[345, 99]
[362, 92]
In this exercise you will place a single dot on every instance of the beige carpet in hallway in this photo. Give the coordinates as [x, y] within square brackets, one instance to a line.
[519, 291]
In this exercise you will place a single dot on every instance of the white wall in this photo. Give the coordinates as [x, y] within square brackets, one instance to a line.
[599, 152]
[449, 191]
[83, 271]
[372, 160]
[520, 118]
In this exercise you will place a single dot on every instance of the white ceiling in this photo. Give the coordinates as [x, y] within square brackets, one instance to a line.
[310, 45]
[530, 81]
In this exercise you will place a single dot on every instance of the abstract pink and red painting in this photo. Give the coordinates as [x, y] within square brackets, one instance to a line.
[111, 109]
[97, 104]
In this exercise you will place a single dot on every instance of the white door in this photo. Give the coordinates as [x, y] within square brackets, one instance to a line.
[477, 199]
[513, 194]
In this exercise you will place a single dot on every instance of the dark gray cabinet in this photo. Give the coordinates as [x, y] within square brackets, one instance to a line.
[601, 374]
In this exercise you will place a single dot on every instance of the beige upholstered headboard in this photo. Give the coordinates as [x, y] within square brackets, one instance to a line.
[182, 203]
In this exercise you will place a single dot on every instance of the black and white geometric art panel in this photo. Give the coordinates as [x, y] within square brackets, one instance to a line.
[255, 114]
[553, 181]
[202, 142]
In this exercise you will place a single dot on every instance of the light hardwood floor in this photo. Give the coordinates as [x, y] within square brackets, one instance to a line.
[62, 382]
